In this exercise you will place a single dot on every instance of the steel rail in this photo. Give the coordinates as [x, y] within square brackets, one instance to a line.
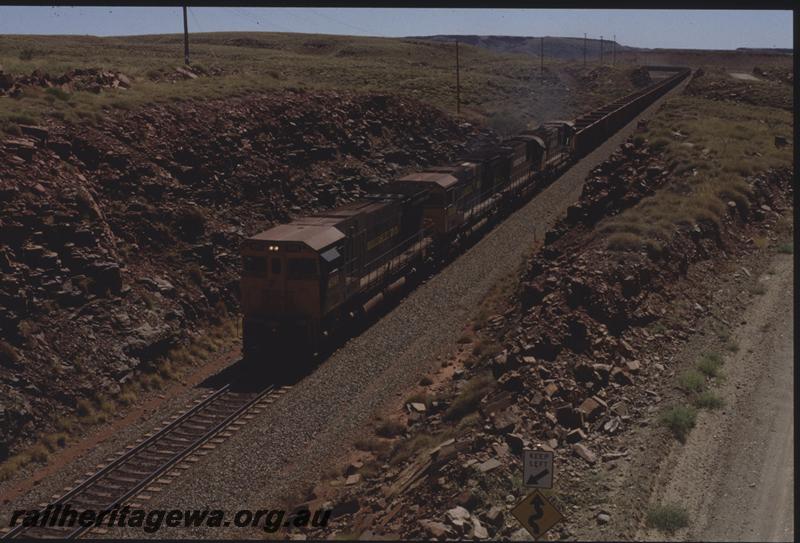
[144, 445]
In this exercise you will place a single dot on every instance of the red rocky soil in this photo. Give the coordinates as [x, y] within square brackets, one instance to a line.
[92, 80]
[577, 367]
[119, 239]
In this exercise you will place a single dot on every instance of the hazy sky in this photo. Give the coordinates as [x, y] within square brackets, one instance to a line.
[642, 28]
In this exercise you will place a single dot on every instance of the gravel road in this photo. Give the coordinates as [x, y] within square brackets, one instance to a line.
[735, 475]
[288, 446]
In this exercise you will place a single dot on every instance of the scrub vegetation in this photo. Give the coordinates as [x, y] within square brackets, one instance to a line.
[501, 89]
[710, 148]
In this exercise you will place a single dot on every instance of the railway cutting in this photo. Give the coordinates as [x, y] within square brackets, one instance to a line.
[357, 287]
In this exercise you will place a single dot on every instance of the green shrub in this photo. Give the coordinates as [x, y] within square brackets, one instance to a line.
[680, 419]
[708, 400]
[667, 518]
[691, 380]
[710, 364]
[57, 93]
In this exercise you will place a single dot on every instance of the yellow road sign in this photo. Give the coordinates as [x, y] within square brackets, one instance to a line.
[537, 514]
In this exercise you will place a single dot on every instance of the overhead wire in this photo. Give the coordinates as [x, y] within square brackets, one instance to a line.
[247, 13]
[328, 17]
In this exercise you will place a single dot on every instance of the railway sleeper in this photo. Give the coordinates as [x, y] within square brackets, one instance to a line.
[169, 451]
[224, 405]
[107, 485]
[152, 459]
[117, 477]
[131, 470]
[81, 502]
[175, 440]
[188, 434]
[199, 427]
[50, 532]
[210, 419]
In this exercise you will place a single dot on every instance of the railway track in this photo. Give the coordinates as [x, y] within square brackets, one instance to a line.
[154, 460]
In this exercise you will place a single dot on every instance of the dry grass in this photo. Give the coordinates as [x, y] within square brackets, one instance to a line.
[8, 354]
[380, 447]
[495, 87]
[390, 429]
[11, 467]
[99, 409]
[761, 242]
[470, 396]
[419, 442]
[710, 148]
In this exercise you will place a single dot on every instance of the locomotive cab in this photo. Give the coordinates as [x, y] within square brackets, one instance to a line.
[288, 271]
[301, 280]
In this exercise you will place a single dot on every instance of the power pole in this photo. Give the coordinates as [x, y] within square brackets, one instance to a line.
[185, 37]
[601, 50]
[614, 51]
[458, 83]
[584, 49]
[541, 57]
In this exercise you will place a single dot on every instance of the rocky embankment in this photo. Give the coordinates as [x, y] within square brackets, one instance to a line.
[571, 369]
[120, 238]
[774, 90]
[94, 80]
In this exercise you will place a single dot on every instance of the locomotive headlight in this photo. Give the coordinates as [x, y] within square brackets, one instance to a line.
[272, 248]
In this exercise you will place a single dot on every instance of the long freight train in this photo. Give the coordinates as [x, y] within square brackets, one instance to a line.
[303, 280]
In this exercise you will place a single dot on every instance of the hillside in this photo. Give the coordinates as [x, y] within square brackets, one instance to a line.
[494, 87]
[128, 181]
[554, 47]
[571, 49]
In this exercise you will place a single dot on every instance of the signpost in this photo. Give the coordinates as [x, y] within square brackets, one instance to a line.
[538, 469]
[537, 514]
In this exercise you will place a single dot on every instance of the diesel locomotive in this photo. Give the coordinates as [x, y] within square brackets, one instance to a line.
[303, 280]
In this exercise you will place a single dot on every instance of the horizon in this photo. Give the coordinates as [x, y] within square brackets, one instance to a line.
[122, 36]
[723, 30]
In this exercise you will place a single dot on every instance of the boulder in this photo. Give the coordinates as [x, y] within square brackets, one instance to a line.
[569, 417]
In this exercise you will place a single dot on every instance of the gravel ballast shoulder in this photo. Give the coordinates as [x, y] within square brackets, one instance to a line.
[288, 446]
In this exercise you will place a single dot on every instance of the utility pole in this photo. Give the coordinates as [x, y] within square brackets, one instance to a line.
[185, 37]
[614, 51]
[584, 49]
[541, 57]
[458, 83]
[601, 50]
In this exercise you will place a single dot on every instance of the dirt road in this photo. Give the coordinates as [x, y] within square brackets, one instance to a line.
[735, 474]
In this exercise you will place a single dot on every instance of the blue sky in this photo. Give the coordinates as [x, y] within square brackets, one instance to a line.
[705, 29]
